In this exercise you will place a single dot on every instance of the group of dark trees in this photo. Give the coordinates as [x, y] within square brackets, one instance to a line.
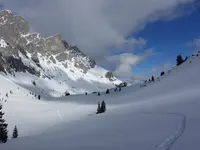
[101, 107]
[119, 89]
[180, 60]
[123, 84]
[35, 95]
[3, 129]
[110, 76]
[150, 80]
[67, 93]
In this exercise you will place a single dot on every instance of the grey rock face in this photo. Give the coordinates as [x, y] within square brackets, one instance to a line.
[11, 27]
[14, 30]
[110, 76]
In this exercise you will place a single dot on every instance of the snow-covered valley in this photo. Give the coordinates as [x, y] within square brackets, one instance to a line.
[161, 116]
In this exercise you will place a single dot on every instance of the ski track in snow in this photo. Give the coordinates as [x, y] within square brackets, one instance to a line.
[169, 141]
[59, 115]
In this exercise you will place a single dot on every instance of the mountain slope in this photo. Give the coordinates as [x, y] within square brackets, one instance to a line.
[164, 115]
[49, 60]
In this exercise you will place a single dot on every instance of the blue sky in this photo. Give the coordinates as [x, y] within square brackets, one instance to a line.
[169, 38]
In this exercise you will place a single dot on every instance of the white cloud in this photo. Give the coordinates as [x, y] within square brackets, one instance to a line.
[125, 63]
[123, 71]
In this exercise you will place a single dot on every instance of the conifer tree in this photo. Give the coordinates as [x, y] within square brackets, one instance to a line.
[162, 73]
[120, 89]
[107, 91]
[179, 60]
[98, 94]
[99, 108]
[152, 78]
[103, 107]
[3, 128]
[15, 133]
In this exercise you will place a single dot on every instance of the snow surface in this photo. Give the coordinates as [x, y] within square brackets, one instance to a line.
[3, 44]
[162, 116]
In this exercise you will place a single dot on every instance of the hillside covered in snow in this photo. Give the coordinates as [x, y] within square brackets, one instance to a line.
[162, 115]
[50, 62]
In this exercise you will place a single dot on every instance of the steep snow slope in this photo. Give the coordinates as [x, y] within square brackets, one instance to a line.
[65, 81]
[26, 111]
[162, 116]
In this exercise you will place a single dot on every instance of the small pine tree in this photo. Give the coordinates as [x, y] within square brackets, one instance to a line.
[145, 82]
[120, 89]
[98, 108]
[39, 97]
[179, 60]
[34, 83]
[3, 128]
[162, 73]
[103, 107]
[15, 133]
[152, 78]
[98, 94]
[67, 94]
[107, 91]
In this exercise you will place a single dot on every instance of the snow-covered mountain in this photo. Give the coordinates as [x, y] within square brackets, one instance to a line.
[50, 62]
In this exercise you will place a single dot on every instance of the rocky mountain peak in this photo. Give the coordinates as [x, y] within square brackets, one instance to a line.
[15, 39]
[11, 27]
